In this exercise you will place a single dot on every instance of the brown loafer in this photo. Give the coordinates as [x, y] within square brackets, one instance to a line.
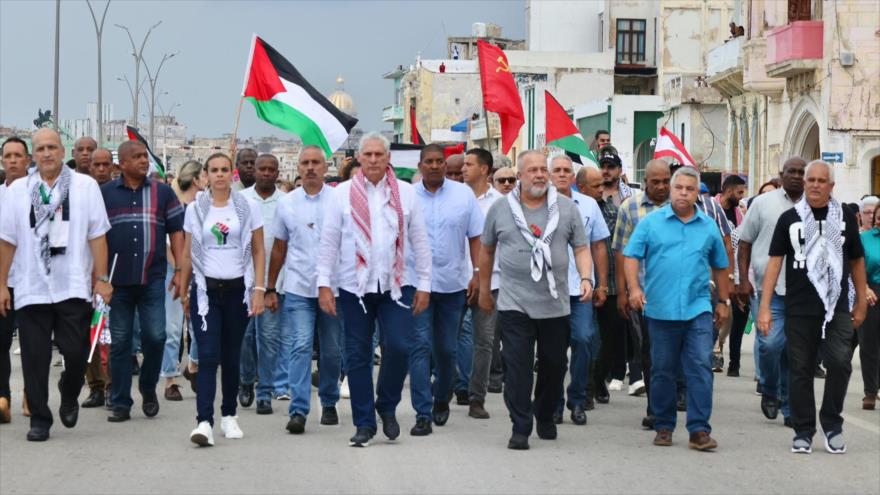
[663, 438]
[869, 403]
[5, 414]
[172, 392]
[476, 410]
[702, 441]
[191, 377]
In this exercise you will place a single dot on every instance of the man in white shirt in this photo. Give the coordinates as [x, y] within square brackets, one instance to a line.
[584, 341]
[368, 230]
[487, 344]
[15, 163]
[53, 231]
[454, 223]
[297, 230]
[263, 338]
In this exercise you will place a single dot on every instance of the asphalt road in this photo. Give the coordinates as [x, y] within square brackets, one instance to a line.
[612, 454]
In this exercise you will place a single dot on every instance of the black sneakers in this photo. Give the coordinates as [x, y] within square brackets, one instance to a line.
[362, 437]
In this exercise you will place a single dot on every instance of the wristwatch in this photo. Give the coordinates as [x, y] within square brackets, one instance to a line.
[726, 302]
[271, 290]
[104, 278]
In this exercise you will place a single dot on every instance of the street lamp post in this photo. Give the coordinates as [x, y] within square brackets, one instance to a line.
[137, 53]
[153, 79]
[99, 30]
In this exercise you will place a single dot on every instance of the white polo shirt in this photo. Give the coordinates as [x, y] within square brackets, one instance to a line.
[485, 202]
[299, 221]
[337, 250]
[71, 273]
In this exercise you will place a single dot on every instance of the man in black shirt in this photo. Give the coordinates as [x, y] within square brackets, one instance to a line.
[733, 189]
[820, 244]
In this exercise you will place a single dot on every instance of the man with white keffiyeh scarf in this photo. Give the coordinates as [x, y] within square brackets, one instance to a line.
[531, 231]
[52, 233]
[818, 242]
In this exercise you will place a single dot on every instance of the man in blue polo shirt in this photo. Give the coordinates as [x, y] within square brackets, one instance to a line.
[679, 244]
[141, 212]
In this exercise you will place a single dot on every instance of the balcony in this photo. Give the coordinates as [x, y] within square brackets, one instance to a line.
[755, 78]
[724, 67]
[392, 113]
[794, 49]
[682, 89]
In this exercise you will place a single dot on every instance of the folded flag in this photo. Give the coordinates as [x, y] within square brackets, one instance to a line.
[99, 332]
[156, 165]
[282, 97]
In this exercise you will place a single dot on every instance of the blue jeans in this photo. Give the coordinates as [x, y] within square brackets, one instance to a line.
[773, 359]
[219, 346]
[149, 301]
[301, 315]
[281, 376]
[173, 331]
[464, 353]
[436, 333]
[397, 341]
[584, 345]
[249, 354]
[687, 344]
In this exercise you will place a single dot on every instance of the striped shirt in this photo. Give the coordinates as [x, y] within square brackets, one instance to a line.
[609, 212]
[632, 210]
[713, 210]
[140, 219]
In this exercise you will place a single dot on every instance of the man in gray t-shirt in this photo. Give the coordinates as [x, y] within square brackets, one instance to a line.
[754, 252]
[530, 231]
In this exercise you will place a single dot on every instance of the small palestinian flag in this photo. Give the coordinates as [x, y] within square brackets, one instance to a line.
[282, 97]
[562, 133]
[156, 164]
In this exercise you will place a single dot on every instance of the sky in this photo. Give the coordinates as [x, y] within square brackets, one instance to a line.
[359, 40]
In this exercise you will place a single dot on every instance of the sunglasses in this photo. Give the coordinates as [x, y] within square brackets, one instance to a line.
[506, 180]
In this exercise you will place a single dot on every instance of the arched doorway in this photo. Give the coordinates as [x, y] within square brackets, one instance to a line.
[810, 146]
[803, 136]
[875, 175]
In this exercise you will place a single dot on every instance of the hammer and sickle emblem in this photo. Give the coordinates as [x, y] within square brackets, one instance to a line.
[502, 65]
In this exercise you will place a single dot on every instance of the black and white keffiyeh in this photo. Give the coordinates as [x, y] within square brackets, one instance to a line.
[823, 249]
[44, 210]
[202, 205]
[537, 240]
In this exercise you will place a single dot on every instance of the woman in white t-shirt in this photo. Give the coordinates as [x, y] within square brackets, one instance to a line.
[225, 256]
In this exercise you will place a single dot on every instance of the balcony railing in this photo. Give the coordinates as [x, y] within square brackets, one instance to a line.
[725, 57]
[392, 113]
[794, 48]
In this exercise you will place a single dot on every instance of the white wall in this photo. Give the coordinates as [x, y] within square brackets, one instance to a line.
[563, 25]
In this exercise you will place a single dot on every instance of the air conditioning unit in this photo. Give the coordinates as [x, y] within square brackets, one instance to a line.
[847, 59]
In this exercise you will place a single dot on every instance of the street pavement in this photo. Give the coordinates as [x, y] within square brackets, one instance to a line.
[611, 454]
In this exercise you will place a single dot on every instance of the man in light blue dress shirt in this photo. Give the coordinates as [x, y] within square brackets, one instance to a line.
[454, 221]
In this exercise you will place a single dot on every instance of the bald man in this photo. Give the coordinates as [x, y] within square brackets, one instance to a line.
[454, 165]
[101, 165]
[53, 226]
[82, 153]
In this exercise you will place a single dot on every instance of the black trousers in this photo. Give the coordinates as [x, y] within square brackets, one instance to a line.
[69, 319]
[869, 347]
[612, 351]
[803, 338]
[638, 330]
[519, 333]
[737, 327]
[7, 326]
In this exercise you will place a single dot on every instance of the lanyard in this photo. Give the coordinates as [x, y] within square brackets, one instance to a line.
[44, 195]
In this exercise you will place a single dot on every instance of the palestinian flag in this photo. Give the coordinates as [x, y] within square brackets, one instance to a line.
[156, 164]
[283, 98]
[562, 133]
[405, 160]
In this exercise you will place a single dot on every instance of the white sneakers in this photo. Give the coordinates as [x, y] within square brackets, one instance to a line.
[637, 388]
[203, 435]
[344, 392]
[229, 427]
[615, 385]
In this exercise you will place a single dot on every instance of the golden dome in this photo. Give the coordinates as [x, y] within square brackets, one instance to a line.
[342, 100]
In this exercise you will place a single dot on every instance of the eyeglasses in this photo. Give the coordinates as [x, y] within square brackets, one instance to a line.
[506, 180]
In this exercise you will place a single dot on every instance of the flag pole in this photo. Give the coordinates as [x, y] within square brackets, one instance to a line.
[232, 141]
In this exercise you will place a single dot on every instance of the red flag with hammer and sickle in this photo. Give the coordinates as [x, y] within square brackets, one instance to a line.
[499, 92]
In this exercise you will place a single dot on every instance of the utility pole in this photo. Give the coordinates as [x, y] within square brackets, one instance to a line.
[57, 58]
[99, 30]
[137, 53]
[153, 79]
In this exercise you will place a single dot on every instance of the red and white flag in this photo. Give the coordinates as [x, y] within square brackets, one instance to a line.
[669, 145]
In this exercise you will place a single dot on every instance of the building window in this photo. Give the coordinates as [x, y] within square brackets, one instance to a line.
[630, 41]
